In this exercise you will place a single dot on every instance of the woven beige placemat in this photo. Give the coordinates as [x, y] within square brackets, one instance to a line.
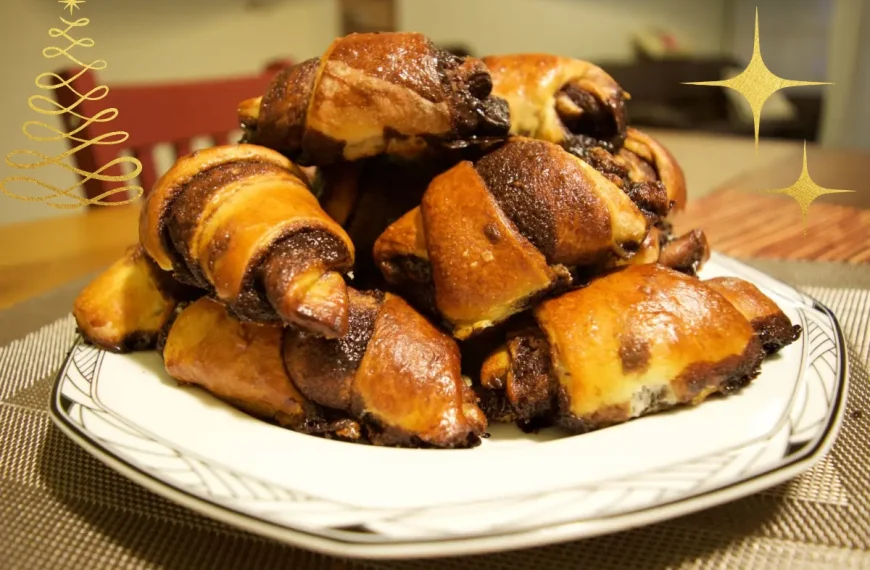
[60, 508]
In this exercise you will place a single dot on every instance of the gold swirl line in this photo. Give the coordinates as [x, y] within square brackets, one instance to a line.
[47, 106]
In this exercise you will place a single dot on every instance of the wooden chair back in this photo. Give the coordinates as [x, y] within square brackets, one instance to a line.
[153, 114]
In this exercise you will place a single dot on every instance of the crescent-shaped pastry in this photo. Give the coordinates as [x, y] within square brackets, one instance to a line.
[494, 236]
[641, 339]
[377, 93]
[394, 372]
[240, 221]
[127, 305]
[557, 98]
[240, 363]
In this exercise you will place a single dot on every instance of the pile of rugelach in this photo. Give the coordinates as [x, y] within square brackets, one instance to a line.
[408, 245]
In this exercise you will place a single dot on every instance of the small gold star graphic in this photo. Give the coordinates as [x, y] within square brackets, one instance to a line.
[756, 83]
[805, 190]
[71, 4]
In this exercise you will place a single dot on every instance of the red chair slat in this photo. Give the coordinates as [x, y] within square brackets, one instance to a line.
[220, 139]
[182, 148]
[149, 167]
[155, 114]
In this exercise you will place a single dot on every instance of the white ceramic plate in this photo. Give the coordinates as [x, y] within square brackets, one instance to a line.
[513, 491]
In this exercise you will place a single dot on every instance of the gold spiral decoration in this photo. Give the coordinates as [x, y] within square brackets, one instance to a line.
[68, 198]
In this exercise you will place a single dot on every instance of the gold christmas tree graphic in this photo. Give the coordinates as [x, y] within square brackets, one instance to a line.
[757, 83]
[70, 197]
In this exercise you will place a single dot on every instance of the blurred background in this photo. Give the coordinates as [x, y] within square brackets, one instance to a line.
[649, 46]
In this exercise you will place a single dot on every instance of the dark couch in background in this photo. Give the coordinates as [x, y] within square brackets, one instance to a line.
[658, 99]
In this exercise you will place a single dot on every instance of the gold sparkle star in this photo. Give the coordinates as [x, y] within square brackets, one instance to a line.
[757, 83]
[805, 190]
[71, 4]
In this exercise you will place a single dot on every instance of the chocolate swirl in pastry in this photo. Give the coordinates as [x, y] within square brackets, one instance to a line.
[126, 306]
[241, 222]
[642, 339]
[558, 98]
[492, 237]
[393, 372]
[240, 363]
[370, 94]
[647, 160]
[687, 253]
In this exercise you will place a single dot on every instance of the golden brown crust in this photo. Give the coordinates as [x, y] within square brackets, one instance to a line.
[394, 372]
[645, 156]
[370, 94]
[409, 383]
[237, 362]
[773, 327]
[639, 340]
[496, 236]
[171, 184]
[483, 269]
[692, 341]
[239, 219]
[404, 237]
[324, 369]
[553, 98]
[124, 308]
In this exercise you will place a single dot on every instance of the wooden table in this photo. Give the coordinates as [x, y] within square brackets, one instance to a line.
[742, 222]
[39, 256]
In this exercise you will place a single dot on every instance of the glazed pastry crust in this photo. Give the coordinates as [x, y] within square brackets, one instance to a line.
[394, 372]
[410, 382]
[640, 331]
[641, 339]
[770, 323]
[126, 306]
[537, 88]
[370, 94]
[227, 218]
[237, 362]
[497, 235]
[483, 269]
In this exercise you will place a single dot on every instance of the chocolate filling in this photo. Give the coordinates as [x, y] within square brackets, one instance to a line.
[323, 369]
[134, 341]
[685, 253]
[185, 213]
[533, 378]
[467, 86]
[775, 332]
[381, 434]
[269, 274]
[283, 110]
[651, 198]
[729, 374]
[413, 276]
[597, 119]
